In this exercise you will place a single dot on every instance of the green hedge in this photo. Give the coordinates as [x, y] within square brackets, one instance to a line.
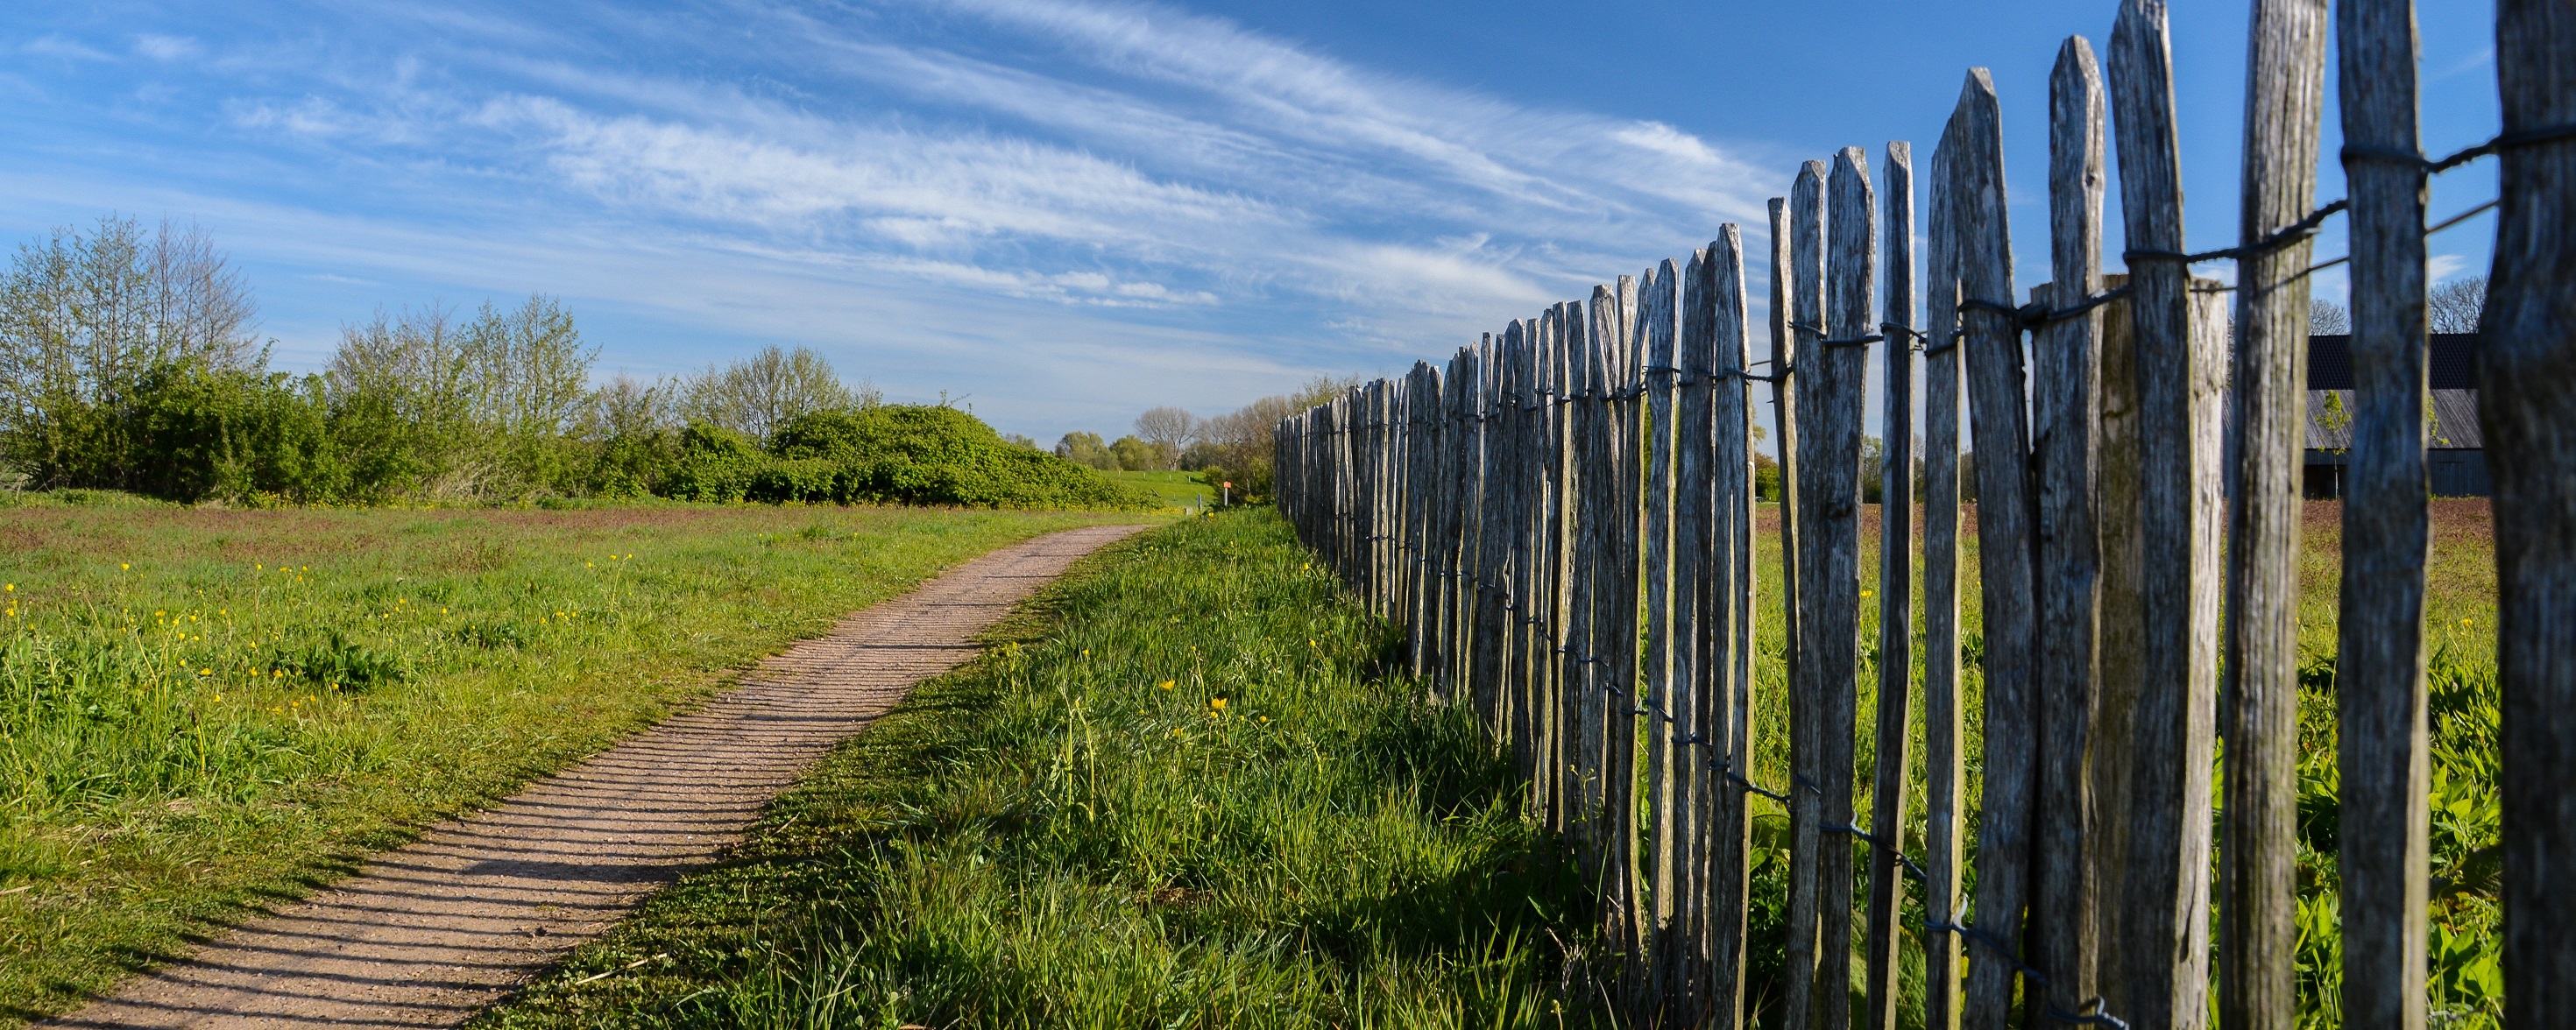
[894, 454]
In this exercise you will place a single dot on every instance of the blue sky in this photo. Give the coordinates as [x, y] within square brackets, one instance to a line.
[1063, 212]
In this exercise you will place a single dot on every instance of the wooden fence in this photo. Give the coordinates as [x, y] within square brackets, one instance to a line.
[1564, 517]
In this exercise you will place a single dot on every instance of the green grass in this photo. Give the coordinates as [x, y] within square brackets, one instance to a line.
[204, 712]
[1177, 489]
[1184, 791]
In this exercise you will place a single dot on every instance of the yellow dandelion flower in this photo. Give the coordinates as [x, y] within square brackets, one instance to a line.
[1217, 703]
[219, 697]
[1265, 718]
[205, 672]
[123, 565]
[442, 611]
[1176, 732]
[1166, 684]
[13, 588]
[1865, 593]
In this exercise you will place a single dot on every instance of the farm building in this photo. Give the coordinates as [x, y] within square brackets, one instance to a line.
[2457, 460]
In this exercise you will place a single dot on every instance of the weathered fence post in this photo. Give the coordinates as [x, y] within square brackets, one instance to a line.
[1658, 306]
[1695, 568]
[2382, 754]
[1806, 702]
[1888, 788]
[2258, 856]
[2527, 406]
[2006, 551]
[1730, 623]
[1944, 760]
[2164, 927]
[2067, 402]
[1841, 370]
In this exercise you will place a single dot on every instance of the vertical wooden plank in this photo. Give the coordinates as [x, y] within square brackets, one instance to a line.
[1599, 494]
[2381, 750]
[1657, 308]
[1894, 737]
[2112, 750]
[1800, 996]
[2007, 508]
[2066, 383]
[1621, 619]
[1566, 321]
[2527, 407]
[2162, 981]
[1512, 633]
[1692, 682]
[1729, 627]
[1836, 376]
[1944, 765]
[2258, 867]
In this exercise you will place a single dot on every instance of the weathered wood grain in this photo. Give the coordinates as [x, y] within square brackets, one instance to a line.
[1806, 269]
[1838, 382]
[1620, 601]
[1893, 751]
[2112, 751]
[1693, 578]
[2385, 852]
[1731, 632]
[1658, 308]
[2165, 908]
[2065, 383]
[1944, 758]
[2006, 510]
[2258, 866]
[2527, 407]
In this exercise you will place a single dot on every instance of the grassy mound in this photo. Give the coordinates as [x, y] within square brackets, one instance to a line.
[893, 454]
[1184, 794]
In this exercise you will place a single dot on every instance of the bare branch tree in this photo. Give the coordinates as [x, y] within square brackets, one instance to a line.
[1169, 430]
[2457, 306]
[2327, 318]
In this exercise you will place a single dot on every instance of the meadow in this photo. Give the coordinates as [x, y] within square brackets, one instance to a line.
[1075, 832]
[1176, 489]
[204, 711]
[1185, 790]
[1190, 784]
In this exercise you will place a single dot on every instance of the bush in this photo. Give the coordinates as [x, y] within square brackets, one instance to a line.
[926, 454]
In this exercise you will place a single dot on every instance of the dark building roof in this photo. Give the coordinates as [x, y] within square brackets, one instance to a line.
[2453, 363]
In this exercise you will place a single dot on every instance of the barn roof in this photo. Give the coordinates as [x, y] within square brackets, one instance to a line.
[2453, 362]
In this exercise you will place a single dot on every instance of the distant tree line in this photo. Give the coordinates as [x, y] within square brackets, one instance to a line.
[129, 361]
[1235, 446]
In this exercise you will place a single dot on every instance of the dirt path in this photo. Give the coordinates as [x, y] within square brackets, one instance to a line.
[431, 933]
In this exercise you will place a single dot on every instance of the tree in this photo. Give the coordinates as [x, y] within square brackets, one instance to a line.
[1170, 429]
[86, 319]
[758, 394]
[2457, 306]
[1136, 455]
[1085, 449]
[2327, 318]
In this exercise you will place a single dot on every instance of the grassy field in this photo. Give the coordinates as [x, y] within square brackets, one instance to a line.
[1183, 792]
[205, 711]
[1029, 844]
[1178, 489]
[1070, 831]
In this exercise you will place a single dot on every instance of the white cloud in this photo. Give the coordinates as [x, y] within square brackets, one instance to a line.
[164, 48]
[2444, 266]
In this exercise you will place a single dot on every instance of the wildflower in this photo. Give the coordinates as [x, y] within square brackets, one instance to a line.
[1166, 684]
[13, 588]
[442, 611]
[124, 565]
[1086, 652]
[1864, 593]
[219, 697]
[1265, 718]
[1217, 703]
[205, 672]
